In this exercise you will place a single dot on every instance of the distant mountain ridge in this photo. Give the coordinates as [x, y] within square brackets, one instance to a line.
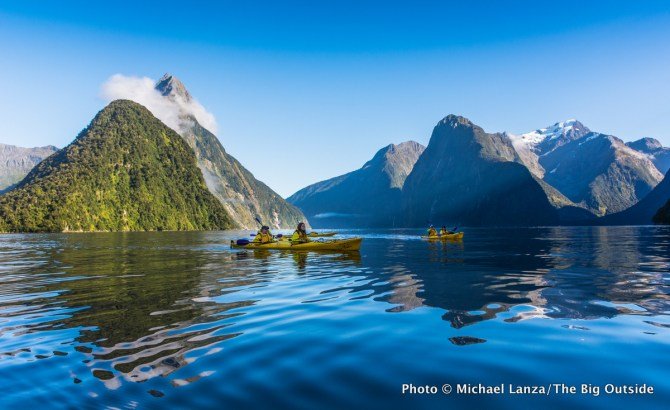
[367, 197]
[244, 197]
[469, 176]
[655, 151]
[16, 162]
[127, 171]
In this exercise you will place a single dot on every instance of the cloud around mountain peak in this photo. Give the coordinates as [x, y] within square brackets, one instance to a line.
[173, 111]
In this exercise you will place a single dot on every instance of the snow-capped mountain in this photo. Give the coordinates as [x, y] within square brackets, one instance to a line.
[532, 145]
[597, 171]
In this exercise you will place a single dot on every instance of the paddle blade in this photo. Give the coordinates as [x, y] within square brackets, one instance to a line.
[242, 242]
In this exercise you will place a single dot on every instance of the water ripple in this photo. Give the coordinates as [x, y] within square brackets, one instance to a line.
[139, 320]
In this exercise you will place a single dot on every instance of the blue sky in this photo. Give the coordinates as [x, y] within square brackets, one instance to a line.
[328, 83]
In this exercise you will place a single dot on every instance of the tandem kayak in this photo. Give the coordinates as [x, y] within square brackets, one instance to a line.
[451, 236]
[311, 235]
[344, 245]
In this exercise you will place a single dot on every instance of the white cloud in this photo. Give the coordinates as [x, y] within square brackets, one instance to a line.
[172, 111]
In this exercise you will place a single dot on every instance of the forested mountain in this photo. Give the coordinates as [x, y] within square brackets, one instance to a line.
[126, 171]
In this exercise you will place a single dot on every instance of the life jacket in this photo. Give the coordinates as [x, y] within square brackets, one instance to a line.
[299, 236]
[263, 237]
[432, 232]
[444, 232]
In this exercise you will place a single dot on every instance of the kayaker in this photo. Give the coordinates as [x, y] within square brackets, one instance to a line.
[264, 235]
[432, 231]
[300, 234]
[445, 231]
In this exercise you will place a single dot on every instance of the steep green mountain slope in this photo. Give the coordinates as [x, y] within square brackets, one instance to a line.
[126, 171]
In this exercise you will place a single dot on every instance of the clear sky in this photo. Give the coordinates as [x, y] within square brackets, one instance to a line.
[307, 90]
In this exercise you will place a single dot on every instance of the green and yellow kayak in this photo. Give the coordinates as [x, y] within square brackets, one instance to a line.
[452, 236]
[342, 245]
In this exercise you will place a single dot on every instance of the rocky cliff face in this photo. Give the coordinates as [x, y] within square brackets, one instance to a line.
[244, 197]
[16, 162]
[367, 197]
[127, 171]
[469, 177]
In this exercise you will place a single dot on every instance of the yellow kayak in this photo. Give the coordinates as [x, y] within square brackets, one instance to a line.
[344, 245]
[311, 235]
[321, 235]
[452, 236]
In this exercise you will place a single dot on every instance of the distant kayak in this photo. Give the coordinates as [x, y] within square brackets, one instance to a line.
[451, 236]
[344, 245]
[321, 234]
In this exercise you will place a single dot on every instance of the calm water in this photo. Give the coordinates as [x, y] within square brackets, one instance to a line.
[149, 320]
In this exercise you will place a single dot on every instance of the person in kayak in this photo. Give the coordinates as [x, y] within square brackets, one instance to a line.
[264, 235]
[445, 231]
[300, 234]
[432, 231]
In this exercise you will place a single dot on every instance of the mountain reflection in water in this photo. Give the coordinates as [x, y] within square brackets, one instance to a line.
[85, 318]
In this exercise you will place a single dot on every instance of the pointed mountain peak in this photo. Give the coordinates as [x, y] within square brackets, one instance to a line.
[565, 128]
[546, 139]
[454, 121]
[170, 85]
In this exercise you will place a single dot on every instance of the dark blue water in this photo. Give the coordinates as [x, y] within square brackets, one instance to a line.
[149, 320]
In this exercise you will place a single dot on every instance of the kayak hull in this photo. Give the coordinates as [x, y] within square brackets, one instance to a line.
[341, 245]
[452, 237]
